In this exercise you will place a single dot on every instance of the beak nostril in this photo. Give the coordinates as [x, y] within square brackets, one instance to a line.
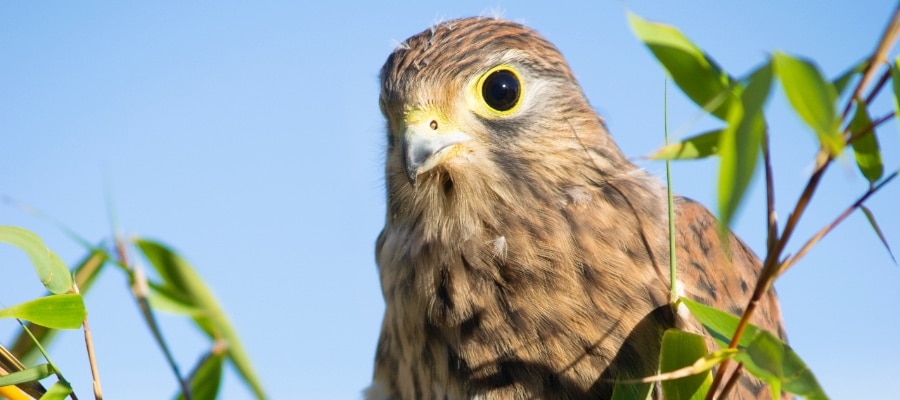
[433, 125]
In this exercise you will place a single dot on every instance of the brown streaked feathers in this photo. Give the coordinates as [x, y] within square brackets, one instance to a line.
[523, 256]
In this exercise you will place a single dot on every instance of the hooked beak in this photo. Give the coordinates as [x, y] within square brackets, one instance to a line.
[424, 145]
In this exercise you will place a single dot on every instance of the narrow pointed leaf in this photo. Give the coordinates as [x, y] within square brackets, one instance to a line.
[180, 277]
[895, 81]
[682, 349]
[207, 377]
[60, 311]
[740, 144]
[50, 269]
[59, 391]
[765, 357]
[85, 274]
[32, 374]
[812, 98]
[773, 361]
[700, 146]
[865, 148]
[877, 229]
[840, 83]
[696, 75]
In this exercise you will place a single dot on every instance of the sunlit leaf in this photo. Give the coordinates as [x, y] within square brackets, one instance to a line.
[60, 311]
[740, 143]
[764, 355]
[812, 98]
[206, 378]
[773, 361]
[179, 276]
[877, 229]
[32, 374]
[50, 269]
[59, 391]
[682, 349]
[865, 147]
[696, 75]
[700, 146]
[85, 274]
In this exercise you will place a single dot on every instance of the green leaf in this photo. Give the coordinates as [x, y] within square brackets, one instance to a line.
[207, 377]
[179, 277]
[85, 274]
[52, 271]
[58, 391]
[865, 147]
[60, 311]
[773, 361]
[740, 143]
[631, 391]
[700, 146]
[764, 355]
[895, 81]
[697, 75]
[32, 374]
[874, 224]
[812, 98]
[681, 349]
[840, 83]
[164, 300]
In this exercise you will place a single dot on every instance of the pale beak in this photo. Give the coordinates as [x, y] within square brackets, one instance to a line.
[424, 146]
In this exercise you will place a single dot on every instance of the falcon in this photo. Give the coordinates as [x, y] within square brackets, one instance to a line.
[523, 256]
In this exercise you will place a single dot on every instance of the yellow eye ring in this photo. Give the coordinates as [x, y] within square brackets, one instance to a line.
[500, 89]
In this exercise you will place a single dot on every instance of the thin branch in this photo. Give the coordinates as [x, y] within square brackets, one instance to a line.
[888, 38]
[140, 290]
[92, 359]
[824, 231]
[772, 233]
[731, 381]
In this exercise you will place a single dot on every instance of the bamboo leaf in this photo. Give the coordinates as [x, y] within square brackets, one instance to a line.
[741, 141]
[85, 274]
[812, 98]
[895, 81]
[58, 391]
[877, 229]
[700, 146]
[679, 350]
[50, 269]
[32, 374]
[840, 83]
[60, 311]
[206, 377]
[179, 276]
[764, 355]
[696, 75]
[865, 148]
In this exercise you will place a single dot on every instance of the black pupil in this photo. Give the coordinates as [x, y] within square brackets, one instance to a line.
[501, 90]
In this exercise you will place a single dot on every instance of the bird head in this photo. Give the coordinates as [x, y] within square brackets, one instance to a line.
[484, 107]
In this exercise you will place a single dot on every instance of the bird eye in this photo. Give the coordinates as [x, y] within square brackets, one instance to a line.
[501, 89]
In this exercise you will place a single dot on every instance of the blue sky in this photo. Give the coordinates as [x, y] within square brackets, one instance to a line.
[248, 137]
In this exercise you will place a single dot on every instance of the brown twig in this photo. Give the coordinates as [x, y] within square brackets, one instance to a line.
[824, 231]
[888, 38]
[771, 267]
[92, 359]
[732, 381]
[140, 290]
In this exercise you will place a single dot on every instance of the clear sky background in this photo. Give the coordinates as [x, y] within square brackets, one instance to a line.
[247, 136]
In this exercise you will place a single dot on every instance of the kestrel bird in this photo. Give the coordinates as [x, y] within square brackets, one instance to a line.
[523, 255]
